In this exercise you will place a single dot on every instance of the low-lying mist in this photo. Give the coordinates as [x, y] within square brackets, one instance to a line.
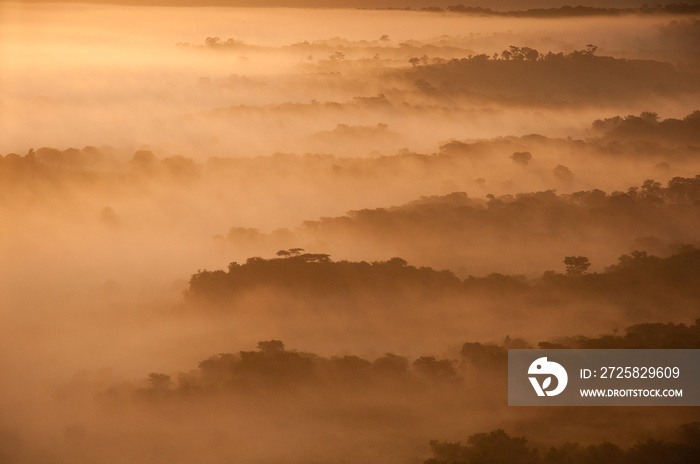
[276, 403]
[398, 196]
[149, 76]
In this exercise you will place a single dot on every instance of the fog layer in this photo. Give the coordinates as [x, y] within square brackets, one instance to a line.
[398, 196]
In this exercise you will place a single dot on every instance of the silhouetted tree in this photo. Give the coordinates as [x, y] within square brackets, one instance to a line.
[484, 355]
[271, 346]
[495, 447]
[159, 383]
[289, 252]
[391, 364]
[563, 173]
[521, 157]
[576, 265]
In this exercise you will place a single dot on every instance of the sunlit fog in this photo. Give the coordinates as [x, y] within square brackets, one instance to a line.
[298, 235]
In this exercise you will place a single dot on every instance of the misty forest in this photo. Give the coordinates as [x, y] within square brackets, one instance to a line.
[310, 232]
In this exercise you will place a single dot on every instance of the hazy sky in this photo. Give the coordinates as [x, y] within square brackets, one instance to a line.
[493, 4]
